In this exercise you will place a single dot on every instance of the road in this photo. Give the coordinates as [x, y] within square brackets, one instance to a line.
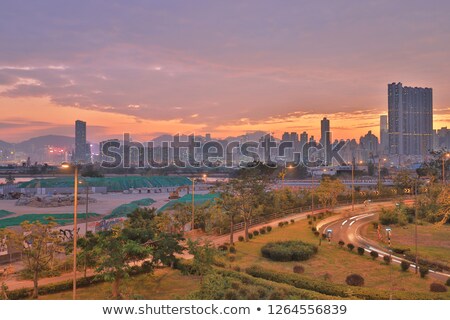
[348, 230]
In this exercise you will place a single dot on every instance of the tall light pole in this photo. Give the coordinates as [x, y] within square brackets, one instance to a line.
[193, 204]
[75, 227]
[379, 174]
[312, 192]
[415, 224]
[353, 186]
[389, 231]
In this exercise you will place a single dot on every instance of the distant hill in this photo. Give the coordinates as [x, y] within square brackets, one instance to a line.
[40, 143]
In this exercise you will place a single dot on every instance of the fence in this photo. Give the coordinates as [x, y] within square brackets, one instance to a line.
[289, 212]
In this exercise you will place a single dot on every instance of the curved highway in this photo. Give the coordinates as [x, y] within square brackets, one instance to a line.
[348, 230]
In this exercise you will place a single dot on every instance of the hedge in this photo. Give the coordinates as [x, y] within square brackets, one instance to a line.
[336, 290]
[288, 250]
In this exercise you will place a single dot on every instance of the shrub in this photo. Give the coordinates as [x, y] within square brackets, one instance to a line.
[231, 294]
[350, 246]
[255, 233]
[298, 269]
[309, 222]
[361, 251]
[269, 228]
[374, 254]
[281, 224]
[232, 249]
[231, 258]
[316, 233]
[324, 236]
[437, 287]
[404, 265]
[313, 229]
[222, 248]
[423, 271]
[320, 286]
[237, 268]
[262, 230]
[250, 236]
[241, 238]
[308, 216]
[387, 259]
[355, 280]
[400, 250]
[314, 218]
[286, 223]
[288, 251]
[292, 221]
[341, 243]
[447, 283]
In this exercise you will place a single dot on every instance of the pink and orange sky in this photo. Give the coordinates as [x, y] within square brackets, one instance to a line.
[228, 67]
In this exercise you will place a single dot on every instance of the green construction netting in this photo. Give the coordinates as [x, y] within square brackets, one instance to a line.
[113, 184]
[125, 209]
[59, 218]
[187, 198]
[5, 213]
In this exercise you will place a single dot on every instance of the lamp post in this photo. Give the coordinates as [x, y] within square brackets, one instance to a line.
[193, 205]
[379, 174]
[353, 185]
[75, 227]
[388, 233]
[312, 192]
[86, 185]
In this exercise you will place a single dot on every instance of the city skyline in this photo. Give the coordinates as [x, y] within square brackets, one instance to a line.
[239, 68]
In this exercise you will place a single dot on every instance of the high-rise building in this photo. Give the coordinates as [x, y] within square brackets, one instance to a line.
[325, 140]
[369, 145]
[410, 119]
[80, 141]
[384, 136]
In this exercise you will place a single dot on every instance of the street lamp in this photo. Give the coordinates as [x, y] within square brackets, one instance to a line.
[379, 173]
[86, 185]
[388, 233]
[312, 192]
[66, 165]
[353, 185]
[444, 156]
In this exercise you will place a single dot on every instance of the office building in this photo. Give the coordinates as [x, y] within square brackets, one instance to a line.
[80, 141]
[384, 136]
[410, 120]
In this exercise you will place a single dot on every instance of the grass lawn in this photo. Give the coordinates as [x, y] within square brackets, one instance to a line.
[163, 284]
[433, 241]
[331, 263]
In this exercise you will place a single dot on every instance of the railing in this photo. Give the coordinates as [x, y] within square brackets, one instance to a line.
[289, 212]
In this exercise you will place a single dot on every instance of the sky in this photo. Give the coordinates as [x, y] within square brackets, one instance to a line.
[223, 67]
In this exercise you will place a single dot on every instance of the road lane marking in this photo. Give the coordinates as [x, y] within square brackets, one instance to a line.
[352, 223]
[344, 222]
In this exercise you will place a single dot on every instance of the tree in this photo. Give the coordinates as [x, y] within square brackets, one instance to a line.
[40, 243]
[10, 179]
[203, 257]
[443, 201]
[87, 254]
[404, 182]
[115, 253]
[182, 215]
[228, 202]
[247, 192]
[329, 190]
[141, 238]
